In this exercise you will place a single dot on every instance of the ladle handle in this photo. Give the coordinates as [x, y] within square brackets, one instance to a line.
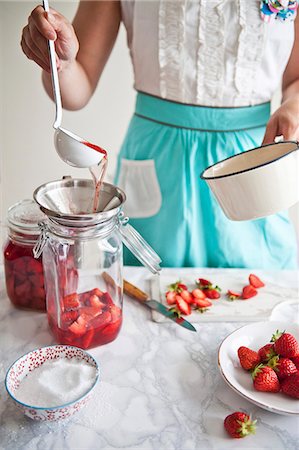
[54, 73]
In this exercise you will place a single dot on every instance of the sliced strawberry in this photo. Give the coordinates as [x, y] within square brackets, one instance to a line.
[71, 301]
[202, 302]
[187, 296]
[170, 297]
[248, 292]
[255, 281]
[213, 294]
[182, 305]
[198, 294]
[177, 287]
[232, 295]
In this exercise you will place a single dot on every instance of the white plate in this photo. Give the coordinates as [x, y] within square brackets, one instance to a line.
[254, 336]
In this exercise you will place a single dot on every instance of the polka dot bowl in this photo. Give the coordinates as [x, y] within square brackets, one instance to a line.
[34, 359]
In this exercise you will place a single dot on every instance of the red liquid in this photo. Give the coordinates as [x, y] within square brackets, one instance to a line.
[24, 277]
[95, 147]
[87, 320]
[98, 173]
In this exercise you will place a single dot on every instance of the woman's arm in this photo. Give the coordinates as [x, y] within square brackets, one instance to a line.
[82, 49]
[285, 121]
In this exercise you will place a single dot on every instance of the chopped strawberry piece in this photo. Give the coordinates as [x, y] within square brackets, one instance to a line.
[78, 327]
[106, 298]
[97, 292]
[187, 296]
[183, 287]
[69, 316]
[115, 312]
[232, 295]
[71, 301]
[177, 287]
[87, 338]
[255, 281]
[90, 312]
[198, 294]
[95, 301]
[248, 292]
[202, 302]
[170, 297]
[182, 305]
[212, 294]
[101, 320]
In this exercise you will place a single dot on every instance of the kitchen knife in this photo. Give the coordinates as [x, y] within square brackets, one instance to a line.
[137, 294]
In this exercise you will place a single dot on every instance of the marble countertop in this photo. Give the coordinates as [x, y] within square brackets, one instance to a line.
[160, 388]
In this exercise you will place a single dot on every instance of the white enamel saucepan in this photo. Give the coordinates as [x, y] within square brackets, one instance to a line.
[71, 148]
[258, 182]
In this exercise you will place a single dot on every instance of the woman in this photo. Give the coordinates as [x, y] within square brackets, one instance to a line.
[205, 73]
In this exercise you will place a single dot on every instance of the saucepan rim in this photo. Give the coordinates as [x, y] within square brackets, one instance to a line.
[216, 177]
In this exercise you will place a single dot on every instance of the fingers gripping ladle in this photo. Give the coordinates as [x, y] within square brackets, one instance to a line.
[71, 148]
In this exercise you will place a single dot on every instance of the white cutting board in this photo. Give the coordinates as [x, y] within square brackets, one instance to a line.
[281, 286]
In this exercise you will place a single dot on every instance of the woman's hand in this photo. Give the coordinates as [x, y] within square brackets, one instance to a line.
[285, 121]
[43, 26]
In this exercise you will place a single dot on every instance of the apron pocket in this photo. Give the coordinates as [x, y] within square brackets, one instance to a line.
[139, 181]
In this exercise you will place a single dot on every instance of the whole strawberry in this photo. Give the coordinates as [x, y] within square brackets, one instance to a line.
[239, 425]
[282, 366]
[290, 385]
[248, 358]
[285, 344]
[266, 352]
[295, 360]
[265, 379]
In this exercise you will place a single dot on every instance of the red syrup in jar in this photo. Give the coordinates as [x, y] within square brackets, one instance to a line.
[98, 173]
[24, 277]
[86, 320]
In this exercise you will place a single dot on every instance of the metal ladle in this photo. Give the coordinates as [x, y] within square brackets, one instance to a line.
[71, 148]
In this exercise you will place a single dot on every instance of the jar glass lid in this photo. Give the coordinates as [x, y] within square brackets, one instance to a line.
[26, 215]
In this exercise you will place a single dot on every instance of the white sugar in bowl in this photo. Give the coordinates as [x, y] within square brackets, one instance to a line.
[52, 383]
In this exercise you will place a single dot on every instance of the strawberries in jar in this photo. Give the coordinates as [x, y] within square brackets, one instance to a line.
[23, 273]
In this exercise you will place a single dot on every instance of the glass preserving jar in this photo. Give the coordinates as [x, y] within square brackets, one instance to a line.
[23, 273]
[83, 261]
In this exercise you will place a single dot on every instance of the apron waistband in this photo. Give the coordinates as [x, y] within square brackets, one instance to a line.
[201, 118]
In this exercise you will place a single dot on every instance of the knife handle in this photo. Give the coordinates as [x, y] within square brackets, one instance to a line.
[134, 292]
[129, 288]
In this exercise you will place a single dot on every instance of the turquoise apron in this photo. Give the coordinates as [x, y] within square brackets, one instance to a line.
[166, 148]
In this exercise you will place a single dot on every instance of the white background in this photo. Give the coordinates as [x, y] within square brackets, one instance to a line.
[28, 158]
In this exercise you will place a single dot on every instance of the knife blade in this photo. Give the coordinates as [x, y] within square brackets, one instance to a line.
[143, 298]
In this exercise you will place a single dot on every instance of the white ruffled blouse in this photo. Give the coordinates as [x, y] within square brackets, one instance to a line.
[206, 52]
